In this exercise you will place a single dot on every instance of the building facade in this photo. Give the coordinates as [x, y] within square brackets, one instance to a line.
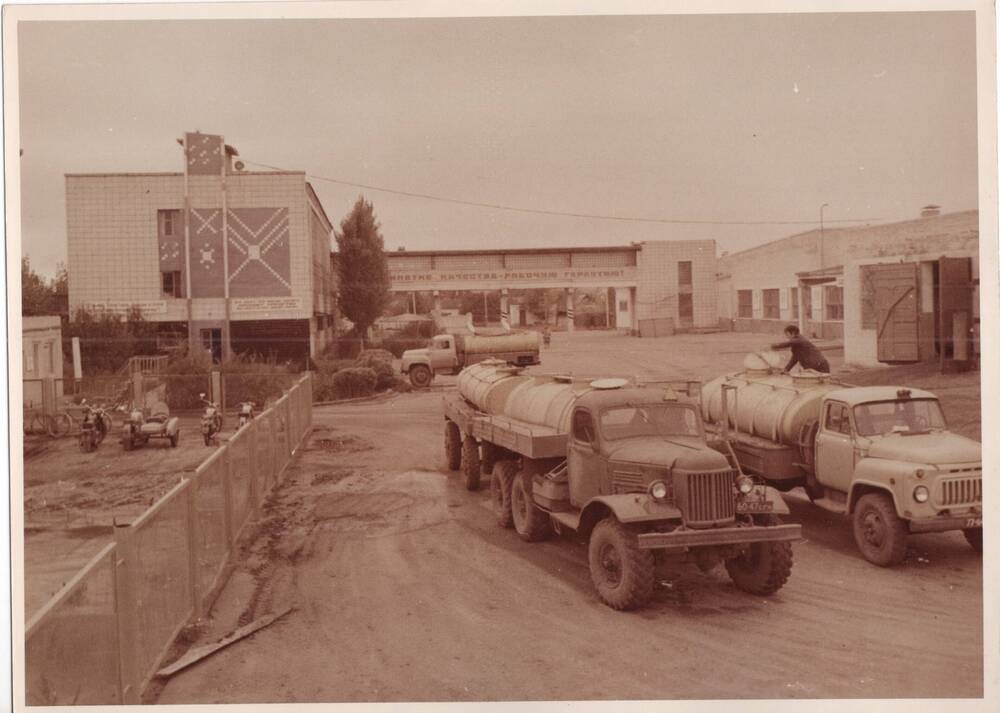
[235, 261]
[647, 281]
[42, 356]
[841, 284]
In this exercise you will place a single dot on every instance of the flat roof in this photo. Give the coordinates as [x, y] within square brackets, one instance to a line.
[510, 251]
[162, 174]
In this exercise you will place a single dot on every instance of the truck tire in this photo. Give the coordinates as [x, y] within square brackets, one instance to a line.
[974, 536]
[490, 456]
[765, 566]
[452, 445]
[420, 376]
[621, 572]
[470, 463]
[878, 531]
[500, 484]
[531, 522]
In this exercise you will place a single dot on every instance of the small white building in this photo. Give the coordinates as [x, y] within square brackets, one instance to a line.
[42, 356]
[894, 293]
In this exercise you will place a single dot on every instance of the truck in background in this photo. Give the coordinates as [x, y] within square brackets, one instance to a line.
[450, 353]
[882, 455]
[627, 468]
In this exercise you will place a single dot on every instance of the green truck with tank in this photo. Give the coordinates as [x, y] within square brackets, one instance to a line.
[450, 353]
[882, 455]
[627, 468]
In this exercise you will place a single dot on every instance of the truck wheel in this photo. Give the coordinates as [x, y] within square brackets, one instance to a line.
[490, 456]
[420, 376]
[453, 445]
[622, 573]
[470, 463]
[174, 438]
[127, 443]
[878, 531]
[974, 536]
[531, 522]
[500, 484]
[764, 567]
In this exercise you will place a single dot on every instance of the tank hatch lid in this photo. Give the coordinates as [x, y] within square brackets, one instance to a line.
[563, 378]
[609, 383]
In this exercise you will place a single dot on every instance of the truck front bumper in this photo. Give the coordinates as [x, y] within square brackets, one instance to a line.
[719, 536]
[944, 524]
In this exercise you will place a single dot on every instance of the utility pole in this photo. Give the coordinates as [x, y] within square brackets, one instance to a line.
[822, 249]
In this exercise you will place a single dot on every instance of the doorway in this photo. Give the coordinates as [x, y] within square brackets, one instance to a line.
[211, 341]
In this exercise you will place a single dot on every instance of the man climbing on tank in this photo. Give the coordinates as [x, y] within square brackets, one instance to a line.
[804, 352]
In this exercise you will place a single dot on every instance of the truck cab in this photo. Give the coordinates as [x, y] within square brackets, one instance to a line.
[439, 356]
[884, 455]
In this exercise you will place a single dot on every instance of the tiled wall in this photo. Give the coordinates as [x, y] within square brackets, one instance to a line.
[112, 243]
[656, 295]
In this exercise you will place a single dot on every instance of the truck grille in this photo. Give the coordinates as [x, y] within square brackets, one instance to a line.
[962, 491]
[710, 497]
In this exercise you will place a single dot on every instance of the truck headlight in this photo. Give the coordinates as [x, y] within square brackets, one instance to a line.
[744, 484]
[658, 489]
[921, 494]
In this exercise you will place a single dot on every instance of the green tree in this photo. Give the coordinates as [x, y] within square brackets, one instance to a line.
[38, 297]
[361, 267]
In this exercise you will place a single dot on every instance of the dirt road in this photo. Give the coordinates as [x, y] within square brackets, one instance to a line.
[405, 589]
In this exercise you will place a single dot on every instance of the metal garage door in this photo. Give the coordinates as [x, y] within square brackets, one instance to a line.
[896, 305]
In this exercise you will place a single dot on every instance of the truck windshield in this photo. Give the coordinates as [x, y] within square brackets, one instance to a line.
[904, 416]
[668, 419]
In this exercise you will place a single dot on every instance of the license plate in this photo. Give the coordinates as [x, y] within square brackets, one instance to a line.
[974, 522]
[754, 506]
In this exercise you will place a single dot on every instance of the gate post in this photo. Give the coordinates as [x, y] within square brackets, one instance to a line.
[129, 674]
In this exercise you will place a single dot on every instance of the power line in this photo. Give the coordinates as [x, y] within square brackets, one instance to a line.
[540, 211]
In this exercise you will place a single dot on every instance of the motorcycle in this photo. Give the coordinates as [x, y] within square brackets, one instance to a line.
[138, 429]
[211, 420]
[95, 426]
[246, 413]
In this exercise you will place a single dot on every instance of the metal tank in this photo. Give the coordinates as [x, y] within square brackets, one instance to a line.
[522, 341]
[501, 390]
[766, 402]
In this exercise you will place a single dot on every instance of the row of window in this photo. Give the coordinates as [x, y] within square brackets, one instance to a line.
[833, 303]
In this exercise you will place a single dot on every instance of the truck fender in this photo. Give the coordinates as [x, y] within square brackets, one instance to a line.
[627, 508]
[861, 487]
[878, 474]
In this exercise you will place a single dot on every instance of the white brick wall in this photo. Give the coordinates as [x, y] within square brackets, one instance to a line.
[775, 264]
[656, 295]
[112, 235]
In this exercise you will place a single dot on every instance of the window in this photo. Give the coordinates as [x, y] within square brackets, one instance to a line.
[623, 305]
[583, 427]
[656, 419]
[807, 301]
[744, 300]
[837, 419]
[169, 222]
[904, 415]
[772, 304]
[684, 273]
[833, 298]
[793, 300]
[685, 308]
[172, 284]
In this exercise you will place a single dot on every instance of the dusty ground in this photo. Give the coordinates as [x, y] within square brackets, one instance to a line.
[405, 589]
[71, 498]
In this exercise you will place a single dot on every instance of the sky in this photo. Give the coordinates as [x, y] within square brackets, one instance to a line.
[721, 118]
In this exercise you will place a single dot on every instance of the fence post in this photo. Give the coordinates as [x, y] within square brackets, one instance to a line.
[227, 497]
[190, 497]
[255, 496]
[127, 616]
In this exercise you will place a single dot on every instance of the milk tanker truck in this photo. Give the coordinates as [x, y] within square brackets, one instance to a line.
[880, 454]
[627, 468]
[450, 353]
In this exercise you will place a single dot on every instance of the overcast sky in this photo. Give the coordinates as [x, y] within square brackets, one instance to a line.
[702, 118]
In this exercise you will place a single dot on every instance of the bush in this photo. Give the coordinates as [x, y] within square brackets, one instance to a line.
[366, 357]
[345, 348]
[323, 388]
[354, 382]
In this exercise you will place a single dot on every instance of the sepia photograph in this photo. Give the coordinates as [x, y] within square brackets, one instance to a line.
[545, 354]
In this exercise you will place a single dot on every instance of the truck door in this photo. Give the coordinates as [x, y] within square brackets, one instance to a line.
[443, 353]
[835, 448]
[584, 461]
